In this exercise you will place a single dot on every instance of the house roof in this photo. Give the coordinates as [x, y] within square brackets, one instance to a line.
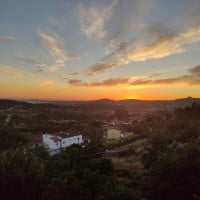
[35, 139]
[55, 138]
[66, 134]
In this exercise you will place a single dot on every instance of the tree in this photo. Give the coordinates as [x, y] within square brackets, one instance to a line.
[21, 175]
[175, 176]
[10, 138]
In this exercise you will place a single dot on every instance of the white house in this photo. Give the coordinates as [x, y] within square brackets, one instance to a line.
[54, 143]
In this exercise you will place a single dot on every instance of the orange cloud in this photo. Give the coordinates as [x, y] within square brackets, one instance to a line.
[192, 77]
[164, 44]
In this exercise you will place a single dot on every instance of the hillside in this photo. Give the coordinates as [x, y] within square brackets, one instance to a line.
[157, 104]
[108, 102]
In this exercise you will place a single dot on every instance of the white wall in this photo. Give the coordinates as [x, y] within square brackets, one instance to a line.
[71, 140]
[49, 143]
[54, 147]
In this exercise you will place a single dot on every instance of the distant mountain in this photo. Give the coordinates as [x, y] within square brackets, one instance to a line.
[104, 100]
[127, 103]
[183, 100]
[5, 103]
[144, 104]
[160, 104]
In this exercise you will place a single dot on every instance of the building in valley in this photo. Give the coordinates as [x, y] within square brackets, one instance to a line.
[113, 134]
[55, 142]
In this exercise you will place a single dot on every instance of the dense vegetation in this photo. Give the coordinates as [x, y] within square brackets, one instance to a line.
[172, 163]
[189, 112]
[170, 157]
[72, 174]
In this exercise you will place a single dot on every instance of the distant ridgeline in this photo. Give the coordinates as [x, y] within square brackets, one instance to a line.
[5, 103]
[103, 103]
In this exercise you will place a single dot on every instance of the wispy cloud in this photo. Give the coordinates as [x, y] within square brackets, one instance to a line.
[160, 46]
[195, 70]
[63, 76]
[50, 68]
[192, 77]
[129, 20]
[75, 74]
[107, 51]
[74, 82]
[70, 76]
[10, 71]
[93, 20]
[53, 44]
[5, 38]
[107, 82]
[46, 83]
[102, 66]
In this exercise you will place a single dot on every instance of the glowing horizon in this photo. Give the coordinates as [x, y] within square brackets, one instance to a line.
[73, 50]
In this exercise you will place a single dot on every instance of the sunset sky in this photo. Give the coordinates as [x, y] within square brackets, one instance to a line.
[92, 49]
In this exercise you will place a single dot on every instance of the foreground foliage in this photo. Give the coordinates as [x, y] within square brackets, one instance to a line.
[170, 157]
[72, 174]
